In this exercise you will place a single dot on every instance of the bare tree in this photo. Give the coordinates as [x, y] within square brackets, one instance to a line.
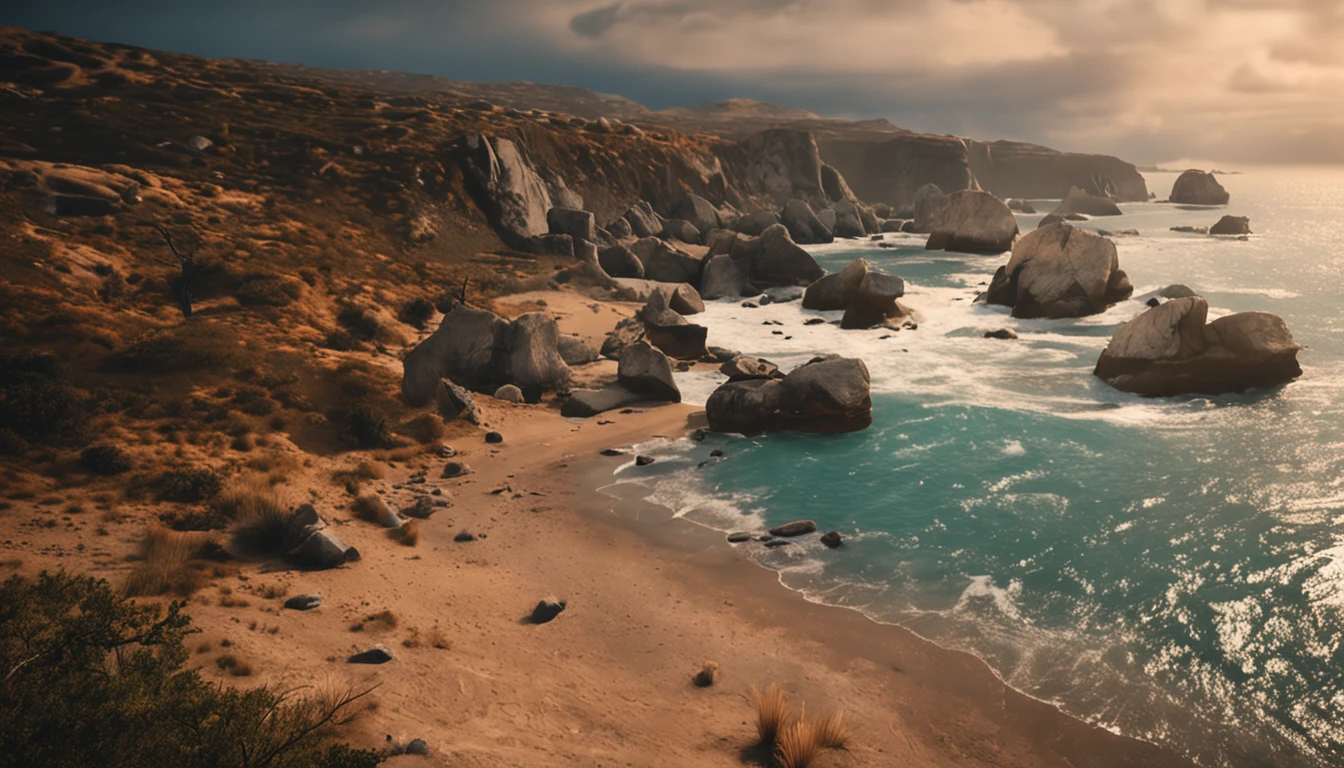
[186, 261]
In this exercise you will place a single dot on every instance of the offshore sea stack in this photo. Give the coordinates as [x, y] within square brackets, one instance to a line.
[1059, 271]
[1169, 350]
[1198, 188]
[826, 395]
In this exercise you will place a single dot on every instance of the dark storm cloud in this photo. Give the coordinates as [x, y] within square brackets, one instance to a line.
[1150, 79]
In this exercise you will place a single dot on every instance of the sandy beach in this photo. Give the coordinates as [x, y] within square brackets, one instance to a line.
[650, 598]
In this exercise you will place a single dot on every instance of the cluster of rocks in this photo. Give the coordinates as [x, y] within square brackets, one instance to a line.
[319, 548]
[868, 296]
[1171, 350]
[828, 394]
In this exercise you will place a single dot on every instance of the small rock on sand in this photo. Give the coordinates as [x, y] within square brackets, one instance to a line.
[303, 602]
[464, 535]
[493, 437]
[455, 469]
[612, 452]
[378, 654]
[546, 610]
[421, 509]
[417, 747]
[739, 537]
[644, 461]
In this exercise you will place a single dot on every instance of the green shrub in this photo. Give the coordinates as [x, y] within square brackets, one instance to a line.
[189, 486]
[105, 460]
[37, 402]
[95, 680]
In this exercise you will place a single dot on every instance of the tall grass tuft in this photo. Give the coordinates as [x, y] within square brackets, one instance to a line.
[263, 523]
[168, 564]
[798, 745]
[774, 714]
[832, 732]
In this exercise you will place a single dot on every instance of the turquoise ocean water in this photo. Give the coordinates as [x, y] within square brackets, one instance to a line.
[1169, 569]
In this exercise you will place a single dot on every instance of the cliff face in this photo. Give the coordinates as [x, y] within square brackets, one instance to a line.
[1014, 169]
[889, 170]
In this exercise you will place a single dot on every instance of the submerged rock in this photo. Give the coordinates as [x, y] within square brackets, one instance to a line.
[1231, 225]
[1169, 350]
[796, 528]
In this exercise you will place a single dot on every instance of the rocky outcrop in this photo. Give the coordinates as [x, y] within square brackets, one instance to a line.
[1196, 187]
[828, 394]
[482, 351]
[833, 185]
[930, 202]
[574, 350]
[723, 278]
[782, 164]
[508, 189]
[680, 229]
[743, 368]
[803, 224]
[740, 265]
[973, 222]
[1231, 225]
[890, 167]
[1078, 201]
[867, 295]
[666, 263]
[669, 331]
[1169, 350]
[1059, 271]
[454, 402]
[1015, 169]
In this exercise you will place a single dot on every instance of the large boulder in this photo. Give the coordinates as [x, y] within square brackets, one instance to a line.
[1196, 187]
[700, 213]
[834, 186]
[643, 221]
[620, 261]
[779, 261]
[973, 222]
[1169, 350]
[1078, 201]
[723, 277]
[929, 204]
[848, 222]
[461, 349]
[1231, 225]
[584, 403]
[646, 371]
[832, 292]
[874, 301]
[510, 191]
[321, 550]
[667, 330]
[579, 225]
[531, 359]
[626, 332]
[575, 350]
[755, 223]
[743, 368]
[666, 263]
[828, 394]
[803, 224]
[680, 229]
[619, 229]
[482, 352]
[1059, 271]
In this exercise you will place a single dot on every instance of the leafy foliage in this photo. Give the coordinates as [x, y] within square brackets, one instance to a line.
[91, 679]
[37, 402]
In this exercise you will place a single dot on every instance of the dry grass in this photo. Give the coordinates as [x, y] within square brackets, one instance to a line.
[774, 713]
[383, 621]
[228, 600]
[798, 745]
[168, 565]
[408, 535]
[263, 522]
[832, 732]
[708, 674]
[370, 508]
[234, 665]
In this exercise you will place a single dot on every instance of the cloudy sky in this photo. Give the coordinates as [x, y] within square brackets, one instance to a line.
[1236, 81]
